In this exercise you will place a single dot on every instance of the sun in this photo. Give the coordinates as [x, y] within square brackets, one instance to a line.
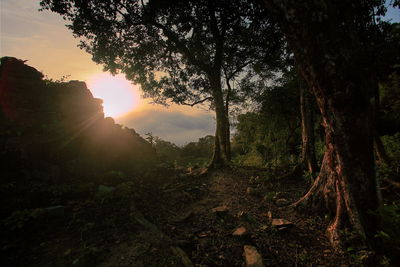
[118, 94]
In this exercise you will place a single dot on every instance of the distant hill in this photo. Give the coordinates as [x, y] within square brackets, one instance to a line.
[57, 130]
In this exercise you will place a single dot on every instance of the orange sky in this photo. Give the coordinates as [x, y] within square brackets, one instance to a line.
[43, 40]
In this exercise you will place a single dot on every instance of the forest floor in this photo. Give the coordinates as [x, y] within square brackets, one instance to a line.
[180, 219]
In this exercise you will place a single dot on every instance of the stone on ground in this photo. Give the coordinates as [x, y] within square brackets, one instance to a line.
[220, 209]
[281, 223]
[241, 231]
[253, 258]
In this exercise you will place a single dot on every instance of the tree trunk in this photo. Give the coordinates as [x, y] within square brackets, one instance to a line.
[228, 132]
[221, 156]
[331, 55]
[307, 132]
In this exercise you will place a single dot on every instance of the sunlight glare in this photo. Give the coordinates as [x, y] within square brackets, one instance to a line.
[118, 94]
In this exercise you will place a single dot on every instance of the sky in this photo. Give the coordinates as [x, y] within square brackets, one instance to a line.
[43, 40]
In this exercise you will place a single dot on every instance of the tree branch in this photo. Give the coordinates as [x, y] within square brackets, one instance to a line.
[180, 46]
[218, 38]
[197, 102]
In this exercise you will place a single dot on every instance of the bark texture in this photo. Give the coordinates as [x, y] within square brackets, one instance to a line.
[221, 156]
[309, 161]
[327, 39]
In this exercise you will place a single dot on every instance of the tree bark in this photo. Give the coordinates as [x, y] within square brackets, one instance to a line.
[221, 156]
[308, 159]
[330, 52]
[228, 133]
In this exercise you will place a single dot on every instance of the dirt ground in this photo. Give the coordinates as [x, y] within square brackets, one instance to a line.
[171, 220]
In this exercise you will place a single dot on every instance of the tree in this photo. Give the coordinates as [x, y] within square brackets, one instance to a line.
[331, 44]
[177, 51]
[308, 159]
[271, 134]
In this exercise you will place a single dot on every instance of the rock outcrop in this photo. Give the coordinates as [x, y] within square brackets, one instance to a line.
[60, 127]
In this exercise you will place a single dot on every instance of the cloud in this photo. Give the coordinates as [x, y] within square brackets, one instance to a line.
[172, 126]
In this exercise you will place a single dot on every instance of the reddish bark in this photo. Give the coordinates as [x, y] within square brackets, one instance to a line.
[329, 47]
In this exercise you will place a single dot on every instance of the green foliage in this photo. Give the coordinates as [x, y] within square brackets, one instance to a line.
[392, 147]
[272, 133]
[166, 151]
[253, 159]
[190, 155]
[389, 91]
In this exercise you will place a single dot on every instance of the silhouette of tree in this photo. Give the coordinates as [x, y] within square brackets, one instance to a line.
[189, 52]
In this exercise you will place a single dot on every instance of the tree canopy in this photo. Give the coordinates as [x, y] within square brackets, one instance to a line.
[188, 52]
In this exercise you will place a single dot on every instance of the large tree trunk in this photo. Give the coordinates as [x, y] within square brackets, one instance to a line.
[221, 156]
[307, 132]
[228, 125]
[331, 55]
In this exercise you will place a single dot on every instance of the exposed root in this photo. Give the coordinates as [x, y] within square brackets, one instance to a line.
[307, 199]
[334, 228]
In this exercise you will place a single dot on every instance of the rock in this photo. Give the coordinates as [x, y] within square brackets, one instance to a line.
[282, 202]
[220, 210]
[253, 258]
[279, 223]
[55, 211]
[240, 232]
